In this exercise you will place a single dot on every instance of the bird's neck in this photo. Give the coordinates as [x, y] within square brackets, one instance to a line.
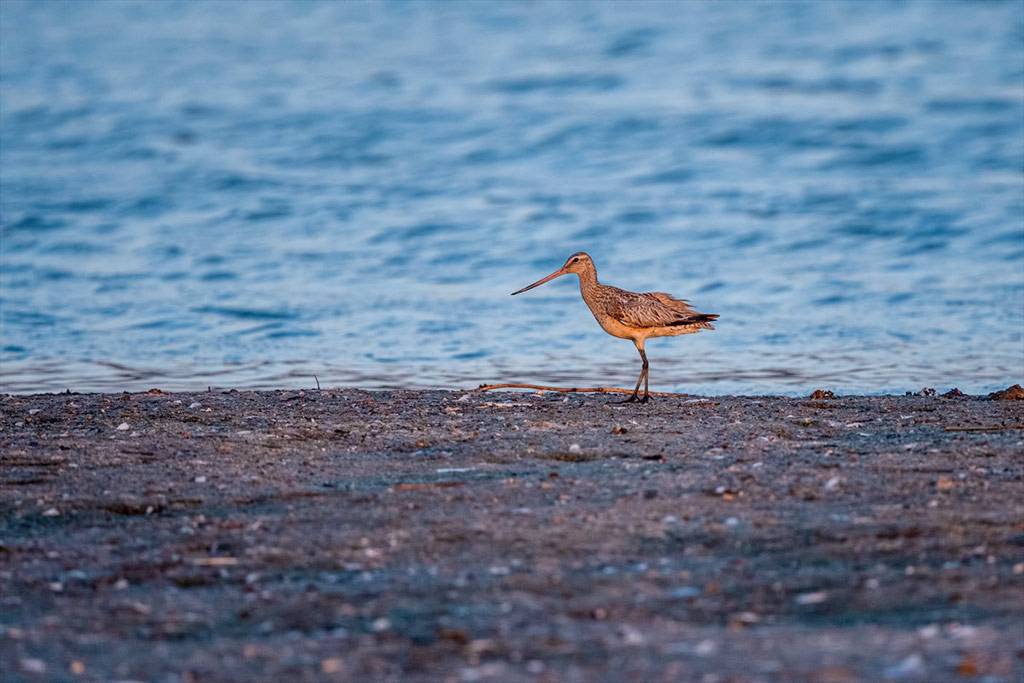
[588, 282]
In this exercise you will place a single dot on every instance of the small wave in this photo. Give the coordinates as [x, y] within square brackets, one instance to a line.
[971, 106]
[672, 176]
[557, 83]
[630, 42]
[36, 223]
[826, 86]
[246, 313]
[218, 276]
[884, 157]
[285, 334]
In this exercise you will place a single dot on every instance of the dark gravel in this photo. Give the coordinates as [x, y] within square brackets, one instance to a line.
[430, 535]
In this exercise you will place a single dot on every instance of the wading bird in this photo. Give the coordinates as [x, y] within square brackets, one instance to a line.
[631, 315]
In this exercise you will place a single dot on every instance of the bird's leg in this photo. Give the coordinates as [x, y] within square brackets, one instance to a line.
[647, 376]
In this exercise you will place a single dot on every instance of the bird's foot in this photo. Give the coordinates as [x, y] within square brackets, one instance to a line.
[646, 398]
[631, 399]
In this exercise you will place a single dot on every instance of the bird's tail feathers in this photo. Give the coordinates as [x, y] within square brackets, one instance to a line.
[700, 320]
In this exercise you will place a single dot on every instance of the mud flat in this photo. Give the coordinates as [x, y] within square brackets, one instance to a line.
[430, 535]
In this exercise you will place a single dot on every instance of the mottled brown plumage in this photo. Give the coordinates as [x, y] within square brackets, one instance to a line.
[631, 315]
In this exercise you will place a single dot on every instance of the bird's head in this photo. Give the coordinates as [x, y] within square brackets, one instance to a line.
[578, 263]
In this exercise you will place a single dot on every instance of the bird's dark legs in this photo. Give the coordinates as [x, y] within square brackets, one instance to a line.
[642, 378]
[647, 377]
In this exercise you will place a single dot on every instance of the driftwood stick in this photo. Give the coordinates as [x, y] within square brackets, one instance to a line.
[572, 390]
[994, 428]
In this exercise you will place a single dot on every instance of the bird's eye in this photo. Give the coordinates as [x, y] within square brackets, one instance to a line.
[575, 260]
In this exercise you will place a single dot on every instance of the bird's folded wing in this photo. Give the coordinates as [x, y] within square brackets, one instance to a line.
[649, 309]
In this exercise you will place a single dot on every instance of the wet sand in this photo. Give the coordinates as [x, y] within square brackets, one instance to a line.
[430, 535]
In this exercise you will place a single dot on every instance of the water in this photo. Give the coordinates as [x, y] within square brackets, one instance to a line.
[251, 194]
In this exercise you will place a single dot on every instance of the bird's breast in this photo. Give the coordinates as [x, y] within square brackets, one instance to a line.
[614, 327]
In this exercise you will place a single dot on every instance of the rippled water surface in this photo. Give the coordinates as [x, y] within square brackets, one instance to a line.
[248, 194]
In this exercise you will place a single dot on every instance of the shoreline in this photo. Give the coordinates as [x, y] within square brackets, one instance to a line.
[348, 534]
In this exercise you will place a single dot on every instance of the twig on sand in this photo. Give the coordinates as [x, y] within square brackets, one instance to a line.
[571, 390]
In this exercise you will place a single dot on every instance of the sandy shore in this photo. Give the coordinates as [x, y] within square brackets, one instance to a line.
[429, 535]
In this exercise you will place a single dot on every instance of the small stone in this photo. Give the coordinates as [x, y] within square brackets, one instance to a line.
[968, 666]
[381, 624]
[121, 584]
[331, 666]
[910, 667]
[632, 636]
[618, 429]
[745, 618]
[200, 480]
[574, 448]
[123, 427]
[815, 598]
[822, 394]
[832, 483]
[51, 512]
[76, 667]
[195, 404]
[1014, 393]
[33, 411]
[32, 665]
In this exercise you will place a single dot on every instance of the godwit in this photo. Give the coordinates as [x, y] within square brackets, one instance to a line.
[631, 315]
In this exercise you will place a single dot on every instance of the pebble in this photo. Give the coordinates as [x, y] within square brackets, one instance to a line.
[574, 448]
[632, 636]
[51, 512]
[33, 411]
[35, 666]
[195, 404]
[123, 427]
[814, 598]
[331, 665]
[910, 667]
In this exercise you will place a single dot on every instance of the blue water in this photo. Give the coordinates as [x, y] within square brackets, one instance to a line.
[250, 194]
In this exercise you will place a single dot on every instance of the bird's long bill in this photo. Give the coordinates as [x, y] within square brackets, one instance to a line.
[538, 283]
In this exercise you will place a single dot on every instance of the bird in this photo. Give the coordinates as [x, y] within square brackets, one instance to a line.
[636, 316]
